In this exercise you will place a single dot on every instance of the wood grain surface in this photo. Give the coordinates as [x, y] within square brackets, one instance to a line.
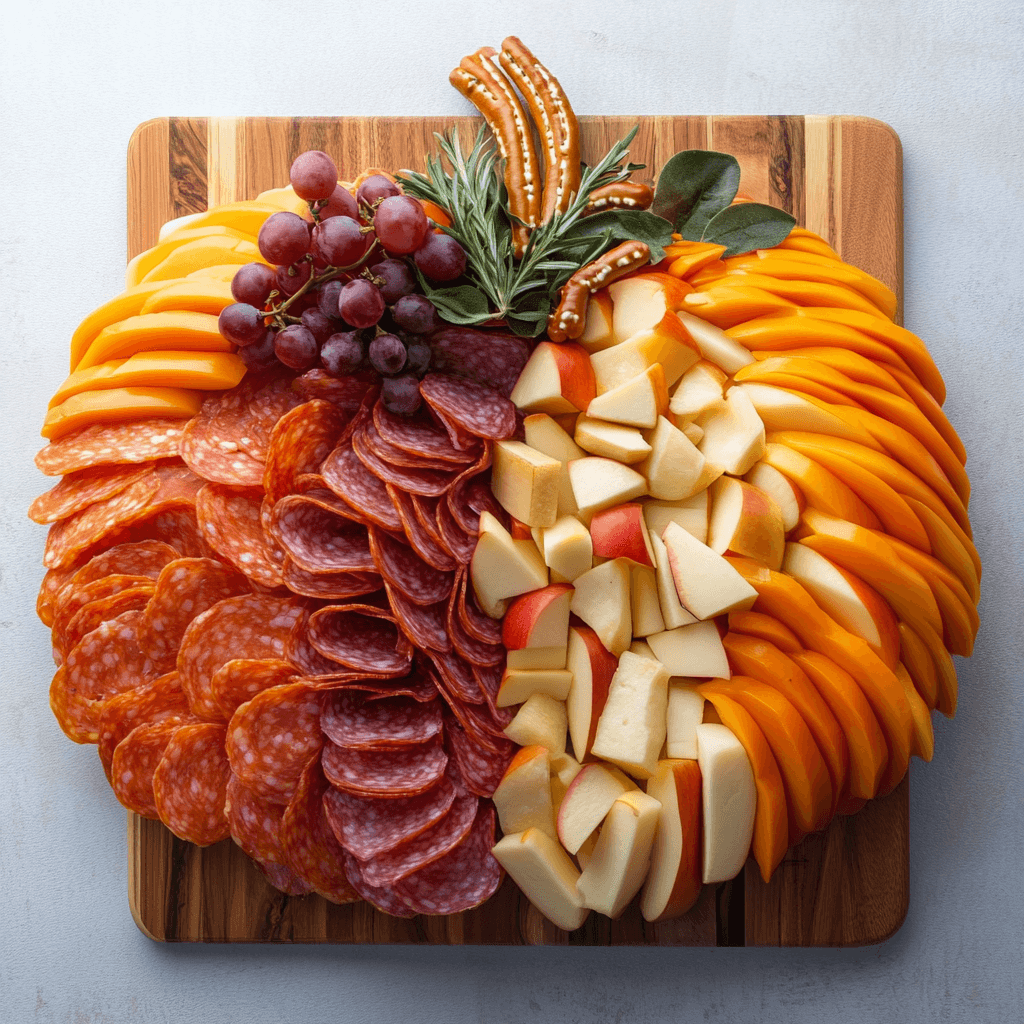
[849, 885]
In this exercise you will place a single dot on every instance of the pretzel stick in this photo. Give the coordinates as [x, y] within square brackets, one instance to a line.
[555, 120]
[621, 195]
[568, 319]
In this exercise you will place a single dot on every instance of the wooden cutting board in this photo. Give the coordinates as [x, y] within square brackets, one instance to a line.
[840, 177]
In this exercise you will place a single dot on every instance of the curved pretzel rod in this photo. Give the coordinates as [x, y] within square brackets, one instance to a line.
[620, 195]
[568, 319]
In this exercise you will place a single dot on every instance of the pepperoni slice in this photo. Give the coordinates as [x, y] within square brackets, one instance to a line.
[463, 878]
[133, 598]
[111, 444]
[299, 443]
[393, 772]
[134, 763]
[328, 586]
[404, 570]
[263, 412]
[210, 442]
[229, 520]
[383, 898]
[369, 826]
[473, 407]
[239, 680]
[317, 539]
[425, 625]
[352, 721]
[422, 541]
[190, 782]
[77, 597]
[310, 847]
[77, 491]
[347, 476]
[481, 768]
[271, 738]
[428, 482]
[489, 357]
[254, 822]
[175, 527]
[360, 637]
[417, 437]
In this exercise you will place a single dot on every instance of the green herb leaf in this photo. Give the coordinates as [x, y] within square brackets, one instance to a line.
[530, 316]
[693, 186]
[626, 226]
[461, 305]
[748, 226]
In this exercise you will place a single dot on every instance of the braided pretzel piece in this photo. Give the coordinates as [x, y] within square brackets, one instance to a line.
[556, 122]
[620, 195]
[567, 320]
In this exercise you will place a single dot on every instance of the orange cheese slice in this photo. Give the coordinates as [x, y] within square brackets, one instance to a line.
[150, 258]
[204, 252]
[174, 330]
[117, 405]
[200, 295]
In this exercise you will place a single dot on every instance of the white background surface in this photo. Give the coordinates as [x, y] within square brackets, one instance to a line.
[75, 79]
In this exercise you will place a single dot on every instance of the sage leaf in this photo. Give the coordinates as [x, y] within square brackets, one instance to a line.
[627, 226]
[693, 186]
[748, 226]
[464, 305]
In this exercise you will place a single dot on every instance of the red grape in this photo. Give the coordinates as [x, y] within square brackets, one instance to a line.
[361, 303]
[416, 314]
[260, 354]
[398, 279]
[417, 358]
[253, 284]
[329, 293]
[291, 279]
[387, 353]
[296, 347]
[319, 325]
[401, 395]
[241, 323]
[400, 224]
[284, 238]
[313, 175]
[376, 187]
[341, 204]
[440, 258]
[339, 241]
[342, 353]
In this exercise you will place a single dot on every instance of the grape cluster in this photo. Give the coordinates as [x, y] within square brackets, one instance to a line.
[342, 291]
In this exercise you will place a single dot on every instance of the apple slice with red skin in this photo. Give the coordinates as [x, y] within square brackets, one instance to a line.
[539, 618]
[587, 800]
[706, 583]
[556, 379]
[523, 797]
[640, 301]
[597, 332]
[592, 666]
[781, 490]
[745, 521]
[621, 532]
[519, 685]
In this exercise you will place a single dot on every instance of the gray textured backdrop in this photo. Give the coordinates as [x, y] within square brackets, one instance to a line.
[76, 78]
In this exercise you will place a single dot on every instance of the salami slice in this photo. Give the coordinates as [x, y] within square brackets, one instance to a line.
[429, 482]
[317, 539]
[489, 679]
[347, 393]
[473, 651]
[460, 543]
[311, 849]
[265, 409]
[92, 615]
[77, 597]
[350, 720]
[398, 771]
[475, 622]
[254, 822]
[404, 570]
[111, 444]
[186, 587]
[426, 513]
[395, 456]
[77, 491]
[457, 676]
[424, 624]
[489, 357]
[417, 437]
[134, 763]
[239, 680]
[423, 542]
[299, 443]
[328, 586]
[210, 443]
[383, 898]
[347, 476]
[229, 520]
[471, 494]
[360, 637]
[463, 878]
[190, 782]
[281, 877]
[307, 660]
[429, 846]
[475, 408]
[481, 767]
[369, 826]
[271, 738]
[175, 527]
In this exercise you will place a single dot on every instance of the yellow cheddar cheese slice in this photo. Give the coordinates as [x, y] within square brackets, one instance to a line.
[204, 252]
[173, 330]
[147, 260]
[201, 295]
[247, 217]
[117, 405]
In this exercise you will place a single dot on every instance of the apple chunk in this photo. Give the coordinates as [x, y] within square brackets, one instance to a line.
[706, 583]
[502, 567]
[734, 436]
[701, 390]
[620, 532]
[694, 650]
[539, 618]
[601, 600]
[612, 440]
[597, 330]
[781, 490]
[642, 300]
[685, 713]
[715, 345]
[518, 685]
[548, 437]
[568, 548]
[745, 521]
[546, 875]
[690, 513]
[564, 768]
[523, 797]
[666, 342]
[525, 482]
[675, 469]
[556, 379]
[600, 483]
[541, 720]
[592, 666]
[645, 605]
[672, 611]
[586, 802]
[636, 402]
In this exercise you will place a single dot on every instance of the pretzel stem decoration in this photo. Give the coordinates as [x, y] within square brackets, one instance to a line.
[489, 91]
[556, 122]
[620, 195]
[568, 319]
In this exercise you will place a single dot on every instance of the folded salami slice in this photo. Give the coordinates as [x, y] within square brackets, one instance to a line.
[489, 357]
[319, 540]
[404, 570]
[426, 513]
[384, 898]
[134, 598]
[369, 826]
[190, 782]
[347, 393]
[254, 822]
[229, 520]
[475, 408]
[83, 488]
[271, 738]
[268, 404]
[471, 494]
[109, 444]
[360, 637]
[428, 482]
[489, 678]
[78, 598]
[239, 680]
[481, 767]
[134, 763]
[311, 849]
[473, 651]
[328, 586]
[425, 625]
[347, 476]
[210, 444]
[423, 542]
[463, 878]
[299, 443]
[395, 456]
[429, 846]
[398, 771]
[457, 676]
[417, 437]
[350, 720]
[460, 543]
[475, 622]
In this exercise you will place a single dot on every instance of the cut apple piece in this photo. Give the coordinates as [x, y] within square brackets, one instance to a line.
[556, 379]
[734, 436]
[706, 583]
[611, 440]
[518, 685]
[637, 402]
[700, 391]
[600, 483]
[692, 432]
[540, 720]
[642, 649]
[631, 729]
[525, 482]
[621, 532]
[694, 650]
[597, 330]
[786, 410]
[502, 567]
[672, 610]
[642, 300]
[587, 801]
[745, 521]
[715, 345]
[781, 490]
[539, 618]
[564, 768]
[674, 880]
[622, 856]
[685, 713]
[690, 513]
[535, 659]
[675, 469]
[666, 342]
[523, 797]
[545, 874]
[601, 600]
[645, 605]
[592, 666]
[729, 799]
[568, 549]
[549, 438]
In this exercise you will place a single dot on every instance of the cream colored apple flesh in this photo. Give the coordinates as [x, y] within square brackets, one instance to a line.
[600, 483]
[734, 435]
[701, 390]
[780, 489]
[685, 713]
[547, 437]
[556, 379]
[694, 650]
[666, 343]
[541, 720]
[587, 800]
[690, 513]
[518, 685]
[641, 301]
[568, 549]
[535, 659]
[523, 797]
[745, 521]
[592, 666]
[502, 568]
[597, 330]
[675, 467]
[715, 345]
[564, 768]
[525, 482]
[786, 410]
[601, 600]
[637, 402]
[611, 440]
[539, 618]
[645, 607]
[672, 610]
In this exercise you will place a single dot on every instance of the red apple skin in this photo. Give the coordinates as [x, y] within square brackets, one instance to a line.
[691, 816]
[525, 610]
[602, 667]
[519, 531]
[621, 532]
[575, 374]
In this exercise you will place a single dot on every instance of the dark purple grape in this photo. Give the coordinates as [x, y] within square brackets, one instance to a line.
[398, 279]
[253, 284]
[241, 323]
[321, 326]
[361, 303]
[401, 224]
[417, 358]
[329, 293]
[339, 241]
[260, 354]
[284, 238]
[342, 353]
[313, 175]
[341, 204]
[387, 353]
[290, 279]
[401, 395]
[440, 257]
[376, 187]
[416, 314]
[296, 347]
